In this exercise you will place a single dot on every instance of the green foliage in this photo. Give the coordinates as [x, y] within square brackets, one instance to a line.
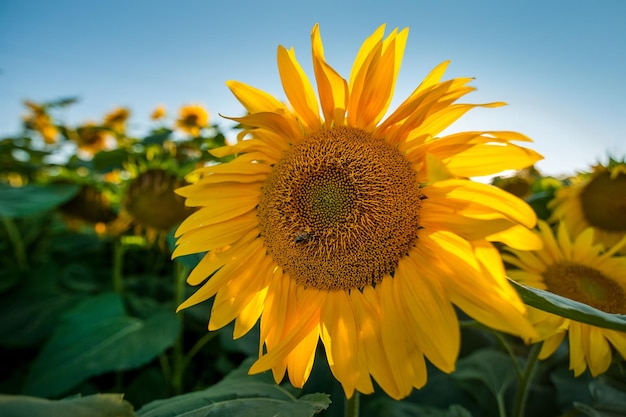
[570, 309]
[96, 337]
[238, 394]
[100, 405]
[31, 200]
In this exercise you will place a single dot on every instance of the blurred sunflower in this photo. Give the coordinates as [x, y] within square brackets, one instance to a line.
[151, 205]
[520, 184]
[116, 119]
[357, 230]
[582, 271]
[40, 121]
[596, 199]
[158, 113]
[192, 119]
[90, 206]
[92, 138]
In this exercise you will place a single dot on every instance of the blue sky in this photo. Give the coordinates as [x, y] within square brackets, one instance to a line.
[559, 64]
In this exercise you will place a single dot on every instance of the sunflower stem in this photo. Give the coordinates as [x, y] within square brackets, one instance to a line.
[118, 266]
[352, 405]
[524, 382]
[179, 356]
[18, 243]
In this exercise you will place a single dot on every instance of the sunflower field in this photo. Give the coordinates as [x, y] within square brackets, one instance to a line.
[327, 255]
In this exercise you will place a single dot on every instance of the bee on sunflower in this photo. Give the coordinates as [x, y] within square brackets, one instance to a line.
[356, 229]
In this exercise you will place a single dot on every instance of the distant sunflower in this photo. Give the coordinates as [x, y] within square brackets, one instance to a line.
[92, 138]
[356, 230]
[192, 119]
[117, 119]
[582, 271]
[595, 200]
[151, 205]
[158, 113]
[40, 121]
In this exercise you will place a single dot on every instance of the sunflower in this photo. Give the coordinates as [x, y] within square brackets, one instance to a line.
[582, 271]
[92, 139]
[151, 205]
[192, 119]
[116, 119]
[355, 230]
[158, 113]
[596, 199]
[40, 121]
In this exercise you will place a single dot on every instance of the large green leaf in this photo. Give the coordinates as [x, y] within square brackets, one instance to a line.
[608, 401]
[96, 337]
[552, 303]
[238, 394]
[493, 369]
[33, 199]
[28, 316]
[99, 405]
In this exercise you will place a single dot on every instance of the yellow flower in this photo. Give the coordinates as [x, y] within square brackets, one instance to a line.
[356, 230]
[158, 113]
[91, 138]
[151, 204]
[116, 119]
[582, 271]
[192, 119]
[595, 200]
[40, 121]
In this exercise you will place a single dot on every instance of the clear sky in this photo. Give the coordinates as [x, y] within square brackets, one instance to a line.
[559, 64]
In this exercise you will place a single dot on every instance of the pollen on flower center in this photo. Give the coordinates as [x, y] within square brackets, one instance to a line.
[586, 285]
[340, 209]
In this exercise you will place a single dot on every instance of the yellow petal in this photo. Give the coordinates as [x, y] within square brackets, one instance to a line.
[298, 89]
[206, 238]
[339, 334]
[430, 313]
[332, 88]
[517, 237]
[253, 99]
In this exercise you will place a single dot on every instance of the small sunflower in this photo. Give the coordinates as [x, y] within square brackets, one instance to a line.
[596, 199]
[40, 121]
[90, 206]
[151, 204]
[158, 113]
[582, 271]
[192, 119]
[92, 138]
[116, 119]
[357, 230]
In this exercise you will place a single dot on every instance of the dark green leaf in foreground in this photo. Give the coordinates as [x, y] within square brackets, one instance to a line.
[552, 303]
[33, 199]
[97, 337]
[608, 401]
[99, 405]
[238, 394]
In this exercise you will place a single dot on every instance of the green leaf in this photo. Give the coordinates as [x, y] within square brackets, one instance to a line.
[157, 137]
[96, 337]
[493, 368]
[33, 199]
[28, 315]
[238, 394]
[390, 408]
[99, 405]
[574, 310]
[608, 401]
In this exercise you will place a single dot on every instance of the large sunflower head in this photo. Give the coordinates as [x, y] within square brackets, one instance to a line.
[334, 223]
[576, 268]
[596, 199]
